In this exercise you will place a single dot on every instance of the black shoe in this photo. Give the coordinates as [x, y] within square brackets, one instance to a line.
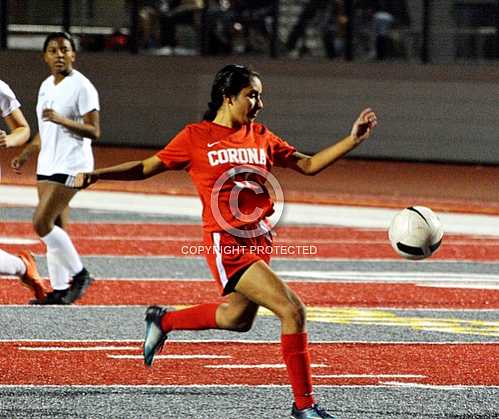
[56, 297]
[314, 412]
[81, 281]
[155, 337]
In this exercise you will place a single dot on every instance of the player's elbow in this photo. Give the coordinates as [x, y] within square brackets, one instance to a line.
[24, 134]
[94, 134]
[307, 167]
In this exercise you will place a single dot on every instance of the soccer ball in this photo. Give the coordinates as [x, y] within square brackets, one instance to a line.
[415, 233]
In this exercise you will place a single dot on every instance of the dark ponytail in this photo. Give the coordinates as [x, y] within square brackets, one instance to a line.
[229, 81]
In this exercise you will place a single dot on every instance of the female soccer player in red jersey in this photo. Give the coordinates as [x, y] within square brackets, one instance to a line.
[228, 156]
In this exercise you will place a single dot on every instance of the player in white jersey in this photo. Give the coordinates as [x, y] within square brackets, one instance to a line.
[23, 265]
[68, 121]
[13, 118]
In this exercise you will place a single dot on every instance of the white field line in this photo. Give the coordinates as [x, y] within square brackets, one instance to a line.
[253, 366]
[389, 276]
[427, 279]
[18, 240]
[249, 341]
[235, 386]
[338, 215]
[380, 308]
[78, 348]
[158, 357]
[433, 386]
[327, 277]
[368, 376]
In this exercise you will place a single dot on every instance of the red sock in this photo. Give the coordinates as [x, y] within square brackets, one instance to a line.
[295, 352]
[198, 317]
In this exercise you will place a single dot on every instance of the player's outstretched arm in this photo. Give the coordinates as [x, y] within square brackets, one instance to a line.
[361, 130]
[132, 170]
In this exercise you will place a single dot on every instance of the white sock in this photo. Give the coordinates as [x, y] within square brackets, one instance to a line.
[58, 274]
[11, 265]
[58, 242]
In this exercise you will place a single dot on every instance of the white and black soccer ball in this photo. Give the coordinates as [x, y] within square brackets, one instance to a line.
[415, 233]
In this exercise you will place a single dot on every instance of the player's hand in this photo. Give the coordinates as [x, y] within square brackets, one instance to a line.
[364, 125]
[17, 163]
[48, 114]
[84, 180]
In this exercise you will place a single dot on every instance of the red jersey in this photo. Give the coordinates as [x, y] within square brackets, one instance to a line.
[227, 167]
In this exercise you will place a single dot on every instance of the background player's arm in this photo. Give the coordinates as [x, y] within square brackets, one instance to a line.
[361, 130]
[19, 130]
[132, 170]
[90, 128]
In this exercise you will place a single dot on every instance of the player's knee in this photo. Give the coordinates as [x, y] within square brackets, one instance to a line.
[41, 225]
[235, 322]
[296, 312]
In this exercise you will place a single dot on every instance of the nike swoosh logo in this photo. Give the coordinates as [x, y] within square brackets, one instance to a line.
[212, 144]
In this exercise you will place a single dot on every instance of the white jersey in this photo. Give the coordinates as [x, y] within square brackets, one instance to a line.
[8, 100]
[63, 151]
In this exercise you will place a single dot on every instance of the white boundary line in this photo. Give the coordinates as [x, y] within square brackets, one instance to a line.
[333, 215]
[242, 341]
[108, 306]
[228, 386]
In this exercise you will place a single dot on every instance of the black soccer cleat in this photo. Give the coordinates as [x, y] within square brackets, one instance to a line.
[314, 412]
[81, 281]
[55, 297]
[155, 337]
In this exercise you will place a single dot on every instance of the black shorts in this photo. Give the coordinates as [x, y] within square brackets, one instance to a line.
[66, 180]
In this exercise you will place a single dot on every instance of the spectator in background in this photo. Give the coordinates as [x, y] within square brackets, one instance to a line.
[333, 26]
[375, 23]
[218, 26]
[149, 24]
[254, 19]
[240, 26]
[383, 22]
[173, 12]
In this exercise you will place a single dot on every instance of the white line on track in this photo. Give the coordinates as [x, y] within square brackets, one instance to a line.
[390, 276]
[433, 386]
[433, 279]
[381, 308]
[18, 240]
[157, 357]
[368, 376]
[252, 366]
[250, 341]
[429, 279]
[338, 215]
[229, 386]
[79, 348]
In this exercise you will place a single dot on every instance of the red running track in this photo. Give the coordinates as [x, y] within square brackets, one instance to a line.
[236, 363]
[325, 294]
